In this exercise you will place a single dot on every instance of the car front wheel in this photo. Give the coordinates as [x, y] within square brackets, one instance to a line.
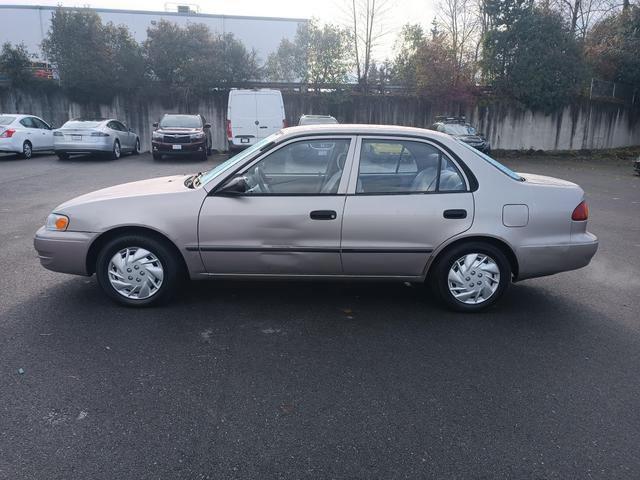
[471, 276]
[138, 271]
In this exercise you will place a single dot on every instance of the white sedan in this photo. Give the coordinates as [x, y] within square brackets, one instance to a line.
[24, 134]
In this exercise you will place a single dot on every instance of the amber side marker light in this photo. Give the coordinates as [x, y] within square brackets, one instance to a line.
[581, 212]
[57, 222]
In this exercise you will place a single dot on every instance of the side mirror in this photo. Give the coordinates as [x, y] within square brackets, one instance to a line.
[155, 125]
[207, 125]
[236, 186]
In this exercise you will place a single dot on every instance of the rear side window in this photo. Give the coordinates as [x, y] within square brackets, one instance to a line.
[28, 122]
[506, 170]
[399, 166]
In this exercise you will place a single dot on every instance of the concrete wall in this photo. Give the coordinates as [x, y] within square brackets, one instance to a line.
[584, 125]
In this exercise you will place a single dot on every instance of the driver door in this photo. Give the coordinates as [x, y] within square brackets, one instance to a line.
[288, 221]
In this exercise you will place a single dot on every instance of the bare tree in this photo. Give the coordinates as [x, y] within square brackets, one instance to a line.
[368, 26]
[581, 15]
[461, 22]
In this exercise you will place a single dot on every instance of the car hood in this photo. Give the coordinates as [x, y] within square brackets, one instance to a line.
[154, 186]
[184, 131]
[532, 178]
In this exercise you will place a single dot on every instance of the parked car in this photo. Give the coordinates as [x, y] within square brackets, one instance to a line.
[100, 136]
[180, 134]
[636, 165]
[24, 134]
[316, 120]
[459, 128]
[343, 201]
[253, 115]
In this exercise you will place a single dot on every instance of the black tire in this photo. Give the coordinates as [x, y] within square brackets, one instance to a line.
[203, 155]
[172, 269]
[62, 155]
[136, 147]
[27, 150]
[439, 275]
[157, 156]
[116, 151]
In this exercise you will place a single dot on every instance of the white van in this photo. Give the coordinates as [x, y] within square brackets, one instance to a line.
[253, 115]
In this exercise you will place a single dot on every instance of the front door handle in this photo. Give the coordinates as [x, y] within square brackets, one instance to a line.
[455, 213]
[323, 215]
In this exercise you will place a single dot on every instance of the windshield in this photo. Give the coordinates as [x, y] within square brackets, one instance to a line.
[459, 129]
[243, 155]
[81, 124]
[180, 121]
[6, 120]
[495, 163]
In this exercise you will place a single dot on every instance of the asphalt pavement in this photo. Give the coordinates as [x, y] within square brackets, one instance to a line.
[317, 380]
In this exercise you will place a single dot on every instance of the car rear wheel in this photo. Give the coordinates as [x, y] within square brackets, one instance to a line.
[27, 150]
[116, 152]
[138, 271]
[136, 148]
[471, 276]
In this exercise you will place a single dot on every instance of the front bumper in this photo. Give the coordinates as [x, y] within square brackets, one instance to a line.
[64, 252]
[186, 148]
[540, 260]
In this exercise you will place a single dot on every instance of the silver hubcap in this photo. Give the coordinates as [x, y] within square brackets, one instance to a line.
[116, 149]
[474, 278]
[135, 273]
[26, 150]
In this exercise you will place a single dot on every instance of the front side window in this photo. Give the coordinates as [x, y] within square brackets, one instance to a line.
[309, 167]
[402, 166]
[40, 124]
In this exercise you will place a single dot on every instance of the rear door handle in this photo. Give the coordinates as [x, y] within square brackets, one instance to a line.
[323, 215]
[456, 213]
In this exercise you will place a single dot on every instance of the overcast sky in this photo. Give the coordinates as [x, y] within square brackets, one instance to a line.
[399, 11]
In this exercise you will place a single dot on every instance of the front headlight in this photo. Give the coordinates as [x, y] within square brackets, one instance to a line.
[156, 136]
[196, 136]
[57, 222]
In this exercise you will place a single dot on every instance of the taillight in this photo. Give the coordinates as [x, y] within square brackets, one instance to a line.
[229, 132]
[7, 133]
[581, 212]
[284, 123]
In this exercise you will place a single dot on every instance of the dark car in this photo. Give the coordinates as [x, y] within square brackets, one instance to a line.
[636, 165]
[459, 128]
[178, 134]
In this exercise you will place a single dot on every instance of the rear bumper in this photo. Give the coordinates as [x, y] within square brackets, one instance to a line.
[95, 145]
[64, 252]
[10, 145]
[540, 260]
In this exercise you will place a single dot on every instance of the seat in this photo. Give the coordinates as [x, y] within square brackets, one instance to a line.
[331, 185]
[425, 180]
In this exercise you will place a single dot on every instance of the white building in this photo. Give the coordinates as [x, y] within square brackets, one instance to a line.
[29, 25]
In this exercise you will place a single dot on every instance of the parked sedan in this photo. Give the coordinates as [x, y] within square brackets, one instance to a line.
[24, 134]
[108, 137]
[463, 131]
[328, 201]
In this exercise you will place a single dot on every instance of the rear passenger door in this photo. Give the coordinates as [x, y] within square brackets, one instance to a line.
[405, 198]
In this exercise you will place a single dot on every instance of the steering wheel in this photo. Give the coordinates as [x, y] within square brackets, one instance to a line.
[261, 179]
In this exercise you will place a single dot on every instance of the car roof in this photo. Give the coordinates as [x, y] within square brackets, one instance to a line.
[361, 129]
